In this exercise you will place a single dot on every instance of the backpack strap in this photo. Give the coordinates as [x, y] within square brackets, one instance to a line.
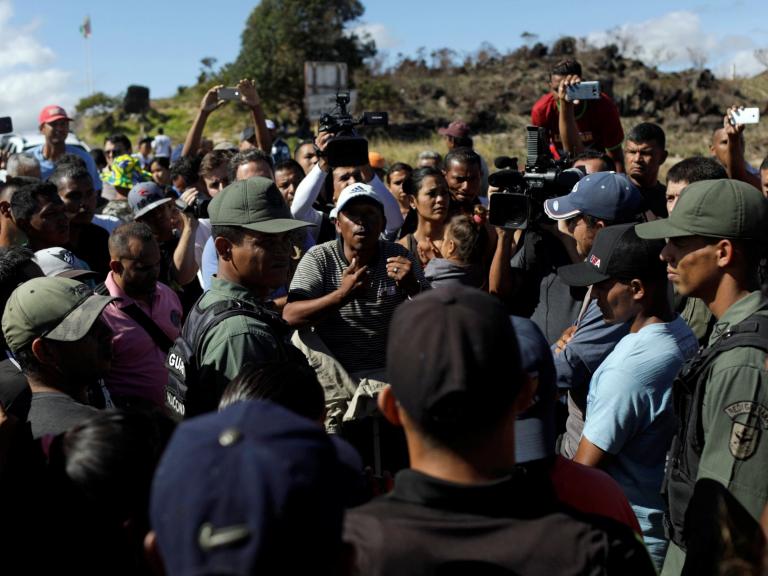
[101, 289]
[150, 327]
[220, 311]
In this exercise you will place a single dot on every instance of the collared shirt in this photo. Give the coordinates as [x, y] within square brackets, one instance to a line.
[138, 364]
[356, 332]
[47, 165]
[735, 413]
[734, 418]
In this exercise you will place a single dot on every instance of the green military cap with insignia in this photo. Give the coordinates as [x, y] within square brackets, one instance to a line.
[255, 204]
[55, 308]
[714, 209]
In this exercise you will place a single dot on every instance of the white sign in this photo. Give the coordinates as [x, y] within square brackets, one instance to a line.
[322, 81]
[324, 77]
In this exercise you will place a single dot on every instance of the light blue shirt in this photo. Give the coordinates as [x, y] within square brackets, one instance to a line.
[47, 165]
[630, 415]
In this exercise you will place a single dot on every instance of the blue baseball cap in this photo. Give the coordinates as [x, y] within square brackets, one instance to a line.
[604, 195]
[253, 489]
[535, 432]
[145, 197]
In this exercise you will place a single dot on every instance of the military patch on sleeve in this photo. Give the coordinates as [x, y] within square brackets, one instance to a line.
[748, 420]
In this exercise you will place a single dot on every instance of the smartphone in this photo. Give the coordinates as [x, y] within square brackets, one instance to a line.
[583, 91]
[6, 125]
[229, 93]
[745, 116]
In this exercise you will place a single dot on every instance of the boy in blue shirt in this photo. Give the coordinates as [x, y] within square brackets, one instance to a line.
[630, 419]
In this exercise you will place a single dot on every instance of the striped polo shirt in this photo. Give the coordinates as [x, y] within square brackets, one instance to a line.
[356, 333]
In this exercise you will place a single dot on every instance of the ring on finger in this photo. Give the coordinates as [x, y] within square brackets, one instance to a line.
[395, 269]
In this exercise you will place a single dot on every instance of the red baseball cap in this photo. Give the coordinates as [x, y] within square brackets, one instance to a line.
[51, 114]
[457, 129]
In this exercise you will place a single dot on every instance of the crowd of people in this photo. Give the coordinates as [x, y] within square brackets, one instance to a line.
[224, 358]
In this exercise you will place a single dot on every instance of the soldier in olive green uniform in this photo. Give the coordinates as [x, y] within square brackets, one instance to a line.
[251, 230]
[714, 237]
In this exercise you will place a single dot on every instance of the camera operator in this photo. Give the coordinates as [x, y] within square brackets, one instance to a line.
[341, 177]
[576, 125]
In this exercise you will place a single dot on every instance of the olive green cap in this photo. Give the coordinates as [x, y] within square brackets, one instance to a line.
[714, 209]
[58, 308]
[255, 204]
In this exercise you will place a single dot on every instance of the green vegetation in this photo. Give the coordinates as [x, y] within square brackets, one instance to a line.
[491, 91]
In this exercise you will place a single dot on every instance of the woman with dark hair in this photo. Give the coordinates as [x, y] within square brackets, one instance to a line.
[429, 196]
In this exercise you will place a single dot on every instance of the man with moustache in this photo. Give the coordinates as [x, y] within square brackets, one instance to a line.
[234, 322]
[145, 317]
[347, 289]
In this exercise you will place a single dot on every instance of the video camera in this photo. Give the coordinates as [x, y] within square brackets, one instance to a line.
[520, 200]
[347, 148]
[197, 208]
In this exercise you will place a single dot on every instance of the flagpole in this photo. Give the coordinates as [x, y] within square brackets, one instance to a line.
[89, 68]
[85, 30]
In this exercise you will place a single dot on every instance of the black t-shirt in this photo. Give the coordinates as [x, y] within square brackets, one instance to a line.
[655, 198]
[543, 297]
[512, 526]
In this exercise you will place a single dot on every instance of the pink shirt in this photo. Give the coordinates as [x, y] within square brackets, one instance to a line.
[138, 364]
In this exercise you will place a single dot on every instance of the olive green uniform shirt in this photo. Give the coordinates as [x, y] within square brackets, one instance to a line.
[735, 421]
[231, 343]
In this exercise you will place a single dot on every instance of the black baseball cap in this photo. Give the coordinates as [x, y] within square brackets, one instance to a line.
[452, 358]
[618, 253]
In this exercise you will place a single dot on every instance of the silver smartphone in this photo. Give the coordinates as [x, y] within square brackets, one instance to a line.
[583, 91]
[745, 116]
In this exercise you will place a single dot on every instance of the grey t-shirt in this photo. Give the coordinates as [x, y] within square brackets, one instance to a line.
[56, 412]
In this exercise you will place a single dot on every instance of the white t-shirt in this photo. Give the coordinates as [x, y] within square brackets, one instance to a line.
[161, 145]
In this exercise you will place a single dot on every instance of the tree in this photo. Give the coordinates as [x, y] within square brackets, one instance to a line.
[280, 35]
[95, 104]
[206, 69]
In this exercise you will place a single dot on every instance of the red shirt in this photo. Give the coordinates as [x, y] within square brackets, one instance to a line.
[592, 491]
[597, 120]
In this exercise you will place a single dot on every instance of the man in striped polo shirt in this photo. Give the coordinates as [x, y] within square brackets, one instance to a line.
[347, 290]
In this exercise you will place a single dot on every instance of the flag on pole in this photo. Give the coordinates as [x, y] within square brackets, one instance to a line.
[85, 29]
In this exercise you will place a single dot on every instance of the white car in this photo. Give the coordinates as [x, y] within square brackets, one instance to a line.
[16, 143]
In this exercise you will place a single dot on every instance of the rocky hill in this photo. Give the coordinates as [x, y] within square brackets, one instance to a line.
[494, 93]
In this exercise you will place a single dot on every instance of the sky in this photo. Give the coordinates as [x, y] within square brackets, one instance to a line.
[159, 44]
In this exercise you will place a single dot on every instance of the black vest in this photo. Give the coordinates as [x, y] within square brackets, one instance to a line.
[187, 392]
[688, 393]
